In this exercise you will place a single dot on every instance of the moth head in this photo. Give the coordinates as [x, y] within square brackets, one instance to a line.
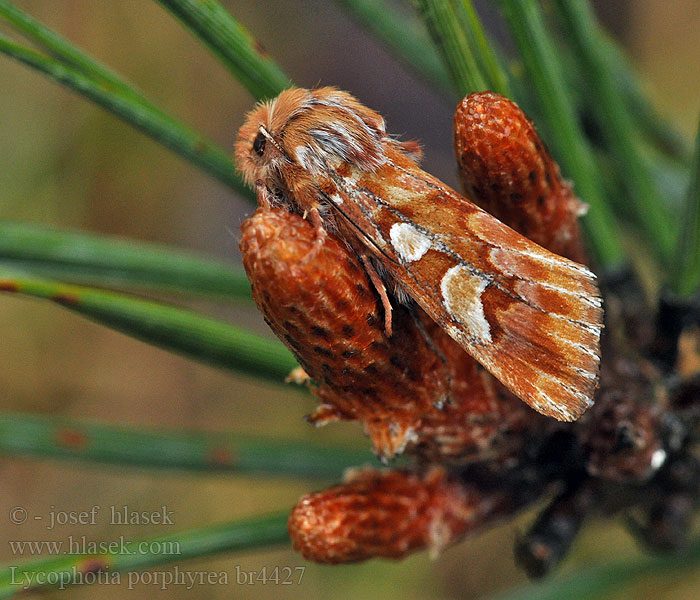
[304, 132]
[259, 155]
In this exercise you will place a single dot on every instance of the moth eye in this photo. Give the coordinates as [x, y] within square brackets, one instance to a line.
[259, 144]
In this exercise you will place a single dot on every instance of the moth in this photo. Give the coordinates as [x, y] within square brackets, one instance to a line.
[530, 317]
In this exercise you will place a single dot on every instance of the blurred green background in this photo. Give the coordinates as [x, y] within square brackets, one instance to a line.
[69, 164]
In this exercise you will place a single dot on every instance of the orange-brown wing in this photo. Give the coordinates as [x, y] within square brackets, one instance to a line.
[532, 318]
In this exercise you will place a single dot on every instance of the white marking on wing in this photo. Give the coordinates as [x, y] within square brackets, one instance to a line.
[461, 292]
[409, 242]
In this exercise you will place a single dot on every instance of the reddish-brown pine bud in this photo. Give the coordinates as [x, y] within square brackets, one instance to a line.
[416, 390]
[318, 299]
[389, 514]
[506, 169]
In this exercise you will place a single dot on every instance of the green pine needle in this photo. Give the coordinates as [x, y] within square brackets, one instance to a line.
[130, 107]
[443, 24]
[175, 329]
[184, 451]
[231, 43]
[112, 262]
[614, 116]
[405, 37]
[570, 146]
[685, 274]
[482, 48]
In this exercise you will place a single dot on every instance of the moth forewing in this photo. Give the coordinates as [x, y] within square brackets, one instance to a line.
[532, 318]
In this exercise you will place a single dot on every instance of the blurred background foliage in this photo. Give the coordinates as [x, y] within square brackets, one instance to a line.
[68, 164]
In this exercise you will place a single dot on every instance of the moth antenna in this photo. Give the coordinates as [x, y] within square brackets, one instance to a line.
[268, 136]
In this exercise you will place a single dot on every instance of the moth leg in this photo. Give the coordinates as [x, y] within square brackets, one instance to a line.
[263, 195]
[315, 219]
[320, 233]
[381, 290]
